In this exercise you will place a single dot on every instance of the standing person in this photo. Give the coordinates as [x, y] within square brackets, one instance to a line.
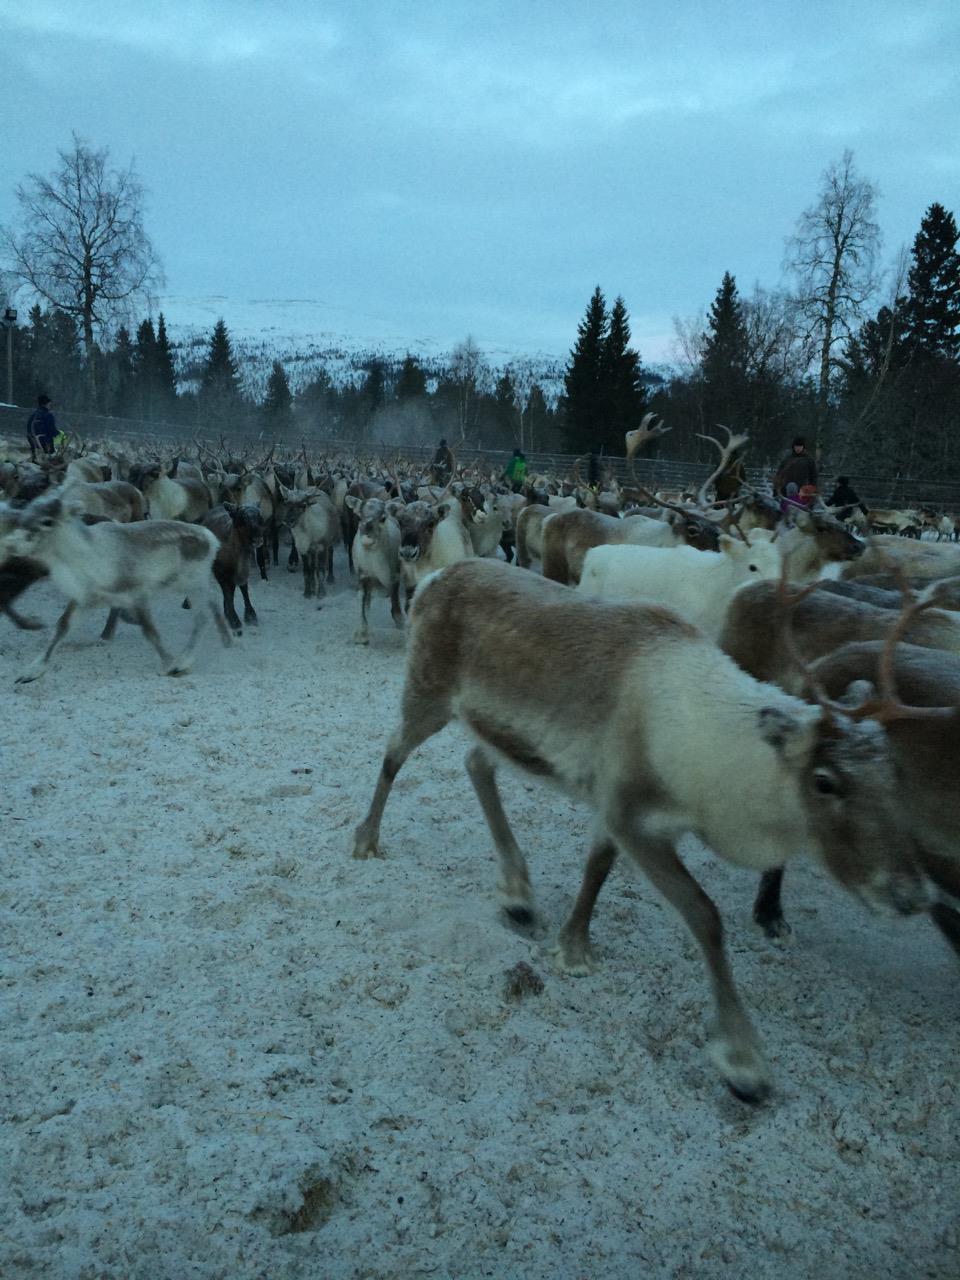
[798, 468]
[442, 462]
[515, 472]
[846, 498]
[41, 427]
[593, 470]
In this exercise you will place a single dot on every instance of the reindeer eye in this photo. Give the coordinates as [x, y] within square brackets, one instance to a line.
[754, 569]
[824, 782]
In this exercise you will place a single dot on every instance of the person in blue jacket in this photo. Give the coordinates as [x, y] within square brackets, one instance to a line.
[41, 427]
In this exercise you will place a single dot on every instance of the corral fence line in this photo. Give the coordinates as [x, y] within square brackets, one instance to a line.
[652, 472]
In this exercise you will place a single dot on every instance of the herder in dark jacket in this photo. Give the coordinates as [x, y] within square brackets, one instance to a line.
[41, 427]
[798, 468]
[442, 463]
[845, 497]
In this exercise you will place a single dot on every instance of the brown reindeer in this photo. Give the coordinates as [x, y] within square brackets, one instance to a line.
[585, 694]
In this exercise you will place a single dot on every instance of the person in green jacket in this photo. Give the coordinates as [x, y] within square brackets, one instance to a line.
[515, 472]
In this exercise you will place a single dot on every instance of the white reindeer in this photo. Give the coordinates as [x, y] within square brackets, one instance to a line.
[118, 565]
[698, 584]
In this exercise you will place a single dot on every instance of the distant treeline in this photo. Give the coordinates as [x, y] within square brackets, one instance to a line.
[892, 401]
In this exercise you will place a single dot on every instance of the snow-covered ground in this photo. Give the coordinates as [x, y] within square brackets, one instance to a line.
[231, 1051]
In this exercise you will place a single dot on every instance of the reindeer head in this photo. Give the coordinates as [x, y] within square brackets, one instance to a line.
[847, 791]
[417, 522]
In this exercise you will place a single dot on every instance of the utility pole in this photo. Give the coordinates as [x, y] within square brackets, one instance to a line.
[10, 319]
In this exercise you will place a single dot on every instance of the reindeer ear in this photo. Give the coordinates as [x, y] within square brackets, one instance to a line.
[728, 544]
[789, 735]
[394, 507]
[353, 503]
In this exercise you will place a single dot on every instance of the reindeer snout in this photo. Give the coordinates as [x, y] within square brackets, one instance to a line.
[409, 551]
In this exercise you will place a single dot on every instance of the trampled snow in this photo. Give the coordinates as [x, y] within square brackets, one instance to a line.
[229, 1050]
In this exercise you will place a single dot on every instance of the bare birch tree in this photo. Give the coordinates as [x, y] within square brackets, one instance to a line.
[833, 254]
[82, 247]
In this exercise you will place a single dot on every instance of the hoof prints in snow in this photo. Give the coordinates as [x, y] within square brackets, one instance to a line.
[231, 1050]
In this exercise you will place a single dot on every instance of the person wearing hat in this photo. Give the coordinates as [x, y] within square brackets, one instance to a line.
[798, 468]
[41, 427]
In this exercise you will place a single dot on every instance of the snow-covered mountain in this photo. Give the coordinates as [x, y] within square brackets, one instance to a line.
[308, 334]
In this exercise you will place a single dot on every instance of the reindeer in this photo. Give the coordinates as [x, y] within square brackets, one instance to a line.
[698, 586]
[568, 536]
[168, 499]
[315, 530]
[529, 531]
[376, 557]
[631, 709]
[913, 559]
[764, 638]
[914, 692]
[239, 530]
[431, 537]
[119, 565]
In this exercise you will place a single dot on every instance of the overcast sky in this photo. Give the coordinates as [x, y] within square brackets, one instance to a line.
[440, 169]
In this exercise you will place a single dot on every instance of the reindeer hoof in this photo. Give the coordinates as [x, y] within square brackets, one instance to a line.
[574, 958]
[364, 845]
[28, 677]
[777, 929]
[251, 619]
[364, 852]
[361, 638]
[27, 623]
[743, 1070]
[177, 670]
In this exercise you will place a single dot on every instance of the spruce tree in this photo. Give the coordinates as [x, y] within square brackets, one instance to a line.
[725, 358]
[145, 372]
[165, 373]
[220, 395]
[933, 306]
[120, 375]
[586, 383]
[624, 393]
[505, 414]
[278, 400]
[412, 381]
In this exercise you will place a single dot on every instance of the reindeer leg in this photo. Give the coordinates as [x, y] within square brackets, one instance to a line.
[396, 613]
[947, 920]
[249, 613]
[423, 716]
[361, 635]
[39, 664]
[768, 907]
[514, 887]
[573, 949]
[732, 1044]
[110, 626]
[142, 617]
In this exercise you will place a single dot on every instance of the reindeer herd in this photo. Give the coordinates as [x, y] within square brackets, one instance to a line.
[776, 685]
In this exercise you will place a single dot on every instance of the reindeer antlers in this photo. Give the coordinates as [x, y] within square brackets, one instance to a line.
[642, 435]
[885, 705]
[728, 455]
